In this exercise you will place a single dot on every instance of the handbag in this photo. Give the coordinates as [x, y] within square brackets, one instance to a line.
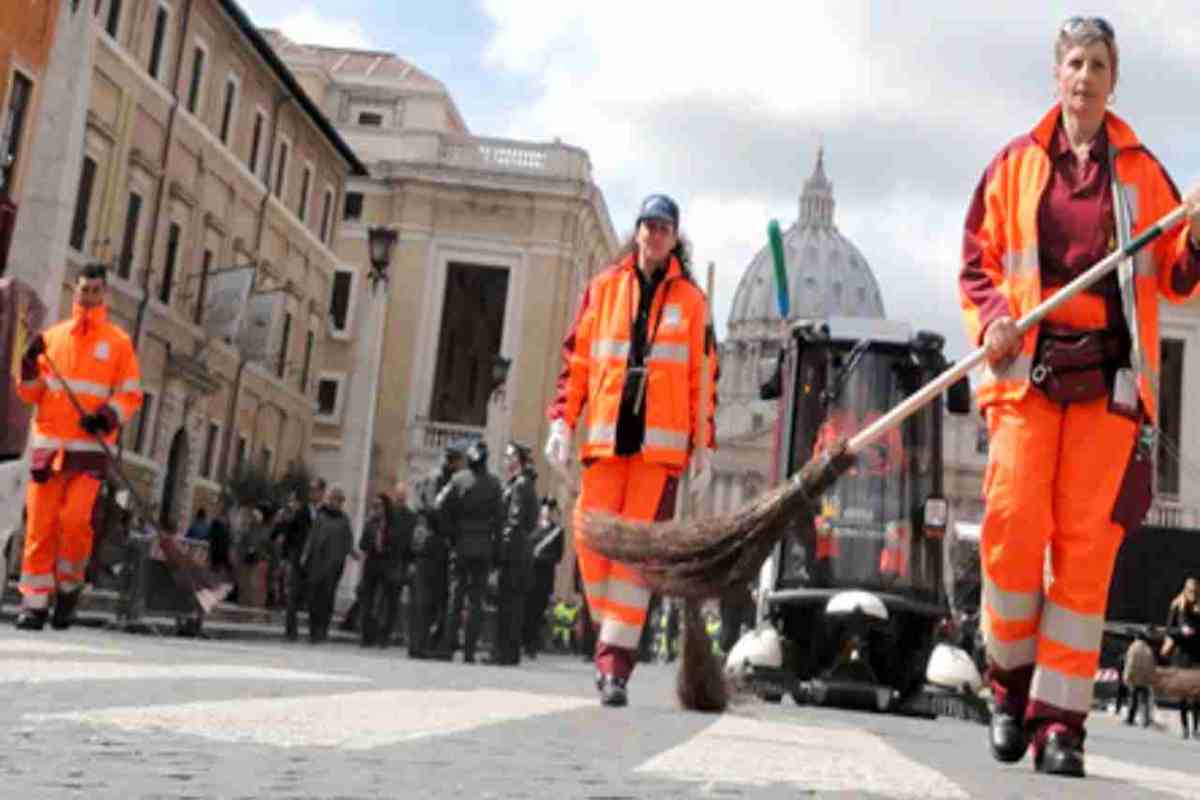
[1072, 366]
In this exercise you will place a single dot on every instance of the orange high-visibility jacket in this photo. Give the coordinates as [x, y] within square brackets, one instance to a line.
[596, 350]
[97, 362]
[1001, 275]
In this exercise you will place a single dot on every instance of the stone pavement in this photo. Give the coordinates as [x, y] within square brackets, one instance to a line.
[92, 714]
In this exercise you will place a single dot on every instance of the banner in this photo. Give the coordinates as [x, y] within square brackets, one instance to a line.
[259, 336]
[225, 302]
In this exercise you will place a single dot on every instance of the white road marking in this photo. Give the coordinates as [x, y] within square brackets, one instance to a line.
[33, 647]
[741, 750]
[353, 721]
[1166, 781]
[48, 671]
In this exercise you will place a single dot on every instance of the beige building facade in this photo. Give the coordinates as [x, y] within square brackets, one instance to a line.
[204, 167]
[496, 240]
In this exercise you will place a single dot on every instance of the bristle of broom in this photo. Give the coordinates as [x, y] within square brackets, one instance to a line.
[699, 558]
[700, 683]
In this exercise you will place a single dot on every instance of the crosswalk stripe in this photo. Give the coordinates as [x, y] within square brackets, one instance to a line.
[1167, 781]
[31, 646]
[824, 759]
[352, 721]
[48, 671]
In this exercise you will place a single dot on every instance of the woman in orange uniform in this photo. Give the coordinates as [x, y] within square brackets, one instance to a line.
[634, 358]
[1070, 405]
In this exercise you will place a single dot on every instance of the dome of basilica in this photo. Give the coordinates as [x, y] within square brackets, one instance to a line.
[827, 275]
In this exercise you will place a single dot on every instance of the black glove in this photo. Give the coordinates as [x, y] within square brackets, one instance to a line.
[36, 346]
[98, 423]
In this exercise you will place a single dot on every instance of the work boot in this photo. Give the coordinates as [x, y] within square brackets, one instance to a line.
[1060, 753]
[31, 619]
[1007, 737]
[64, 610]
[612, 692]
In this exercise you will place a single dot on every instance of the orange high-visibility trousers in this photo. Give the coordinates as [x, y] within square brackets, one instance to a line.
[617, 597]
[1052, 479]
[58, 536]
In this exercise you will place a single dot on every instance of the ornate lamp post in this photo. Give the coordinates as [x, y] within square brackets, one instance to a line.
[380, 241]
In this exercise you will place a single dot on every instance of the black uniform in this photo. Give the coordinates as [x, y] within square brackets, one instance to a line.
[472, 502]
[430, 547]
[547, 551]
[514, 556]
[388, 553]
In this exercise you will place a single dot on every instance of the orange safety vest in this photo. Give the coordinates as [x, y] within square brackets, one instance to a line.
[893, 559]
[96, 360]
[1001, 274]
[596, 352]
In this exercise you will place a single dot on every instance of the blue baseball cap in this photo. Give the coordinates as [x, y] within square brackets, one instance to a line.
[660, 207]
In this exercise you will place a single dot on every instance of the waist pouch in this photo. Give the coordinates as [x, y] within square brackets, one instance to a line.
[1074, 366]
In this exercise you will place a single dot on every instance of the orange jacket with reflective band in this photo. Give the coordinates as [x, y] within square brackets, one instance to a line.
[596, 350]
[96, 360]
[1001, 274]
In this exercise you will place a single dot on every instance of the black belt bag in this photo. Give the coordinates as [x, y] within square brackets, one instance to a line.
[1074, 366]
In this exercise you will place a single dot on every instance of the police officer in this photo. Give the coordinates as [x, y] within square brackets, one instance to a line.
[514, 555]
[472, 502]
[547, 551]
[431, 547]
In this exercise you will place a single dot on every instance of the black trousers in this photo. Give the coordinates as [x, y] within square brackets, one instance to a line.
[297, 596]
[468, 582]
[321, 592]
[427, 605]
[1139, 696]
[536, 602]
[379, 601]
[510, 614]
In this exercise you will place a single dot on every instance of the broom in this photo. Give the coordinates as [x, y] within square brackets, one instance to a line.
[699, 558]
[207, 589]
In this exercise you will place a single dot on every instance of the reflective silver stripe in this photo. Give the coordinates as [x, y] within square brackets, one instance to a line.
[613, 631]
[674, 353]
[131, 385]
[601, 434]
[66, 567]
[69, 586]
[120, 412]
[39, 601]
[597, 590]
[1011, 606]
[31, 581]
[81, 387]
[70, 445]
[1061, 691]
[1022, 263]
[1077, 631]
[628, 595]
[1011, 655]
[661, 437]
[610, 348]
[1016, 370]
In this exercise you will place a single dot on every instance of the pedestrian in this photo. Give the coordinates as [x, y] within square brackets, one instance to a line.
[253, 557]
[294, 534]
[547, 552]
[199, 529]
[1138, 675]
[1183, 632]
[1069, 404]
[514, 554]
[386, 543]
[329, 543]
[634, 358]
[472, 504]
[430, 549]
[94, 360]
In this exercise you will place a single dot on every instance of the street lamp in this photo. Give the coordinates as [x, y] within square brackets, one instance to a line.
[380, 241]
[500, 367]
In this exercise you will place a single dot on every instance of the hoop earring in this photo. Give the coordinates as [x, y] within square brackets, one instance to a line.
[1112, 99]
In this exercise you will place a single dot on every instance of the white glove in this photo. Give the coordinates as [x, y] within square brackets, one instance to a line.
[558, 445]
[700, 471]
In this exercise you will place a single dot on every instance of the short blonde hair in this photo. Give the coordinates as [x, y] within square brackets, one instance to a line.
[1083, 31]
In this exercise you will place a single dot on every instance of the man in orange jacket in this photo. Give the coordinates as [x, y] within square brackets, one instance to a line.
[94, 360]
[635, 357]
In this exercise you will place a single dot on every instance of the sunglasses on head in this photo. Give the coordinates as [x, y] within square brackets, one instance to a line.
[1072, 25]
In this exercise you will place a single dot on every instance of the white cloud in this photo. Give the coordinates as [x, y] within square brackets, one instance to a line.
[722, 105]
[306, 25]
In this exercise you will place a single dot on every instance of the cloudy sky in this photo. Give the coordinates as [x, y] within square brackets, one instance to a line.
[723, 106]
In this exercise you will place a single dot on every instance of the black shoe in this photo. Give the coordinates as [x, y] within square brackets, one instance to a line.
[440, 655]
[1062, 754]
[612, 692]
[469, 659]
[1007, 738]
[64, 610]
[418, 655]
[31, 619]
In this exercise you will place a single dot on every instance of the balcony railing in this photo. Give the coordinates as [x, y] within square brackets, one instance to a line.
[1170, 514]
[498, 156]
[431, 437]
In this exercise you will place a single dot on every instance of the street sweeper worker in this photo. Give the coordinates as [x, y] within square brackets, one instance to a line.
[1070, 405]
[95, 360]
[633, 363]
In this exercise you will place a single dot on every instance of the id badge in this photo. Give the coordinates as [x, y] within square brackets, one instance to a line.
[1124, 398]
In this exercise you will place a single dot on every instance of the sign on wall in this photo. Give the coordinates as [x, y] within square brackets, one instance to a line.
[225, 302]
